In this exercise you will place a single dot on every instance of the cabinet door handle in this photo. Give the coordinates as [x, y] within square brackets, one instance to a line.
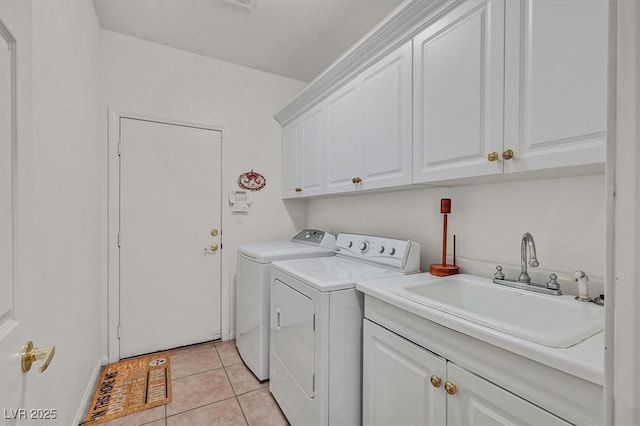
[450, 388]
[356, 180]
[493, 156]
[298, 189]
[436, 381]
[508, 155]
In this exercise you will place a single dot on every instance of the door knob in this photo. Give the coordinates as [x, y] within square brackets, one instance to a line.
[507, 155]
[214, 247]
[214, 232]
[493, 156]
[356, 180]
[31, 354]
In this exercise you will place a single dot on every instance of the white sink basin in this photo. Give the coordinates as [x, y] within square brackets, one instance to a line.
[554, 321]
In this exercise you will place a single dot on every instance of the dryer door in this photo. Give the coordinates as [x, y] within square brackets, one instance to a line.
[293, 334]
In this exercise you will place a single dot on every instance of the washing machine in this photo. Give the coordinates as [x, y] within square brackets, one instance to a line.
[316, 327]
[253, 290]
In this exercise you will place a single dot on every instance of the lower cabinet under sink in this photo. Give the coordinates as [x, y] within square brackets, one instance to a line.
[417, 372]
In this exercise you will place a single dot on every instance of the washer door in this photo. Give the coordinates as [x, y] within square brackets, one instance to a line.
[293, 336]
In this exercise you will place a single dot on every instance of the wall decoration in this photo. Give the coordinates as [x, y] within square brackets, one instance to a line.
[253, 181]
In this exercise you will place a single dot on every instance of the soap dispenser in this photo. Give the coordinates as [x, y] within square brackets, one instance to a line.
[583, 287]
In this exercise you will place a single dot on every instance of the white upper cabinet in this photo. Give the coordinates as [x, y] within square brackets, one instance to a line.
[488, 88]
[511, 86]
[385, 97]
[302, 155]
[458, 93]
[555, 86]
[344, 139]
[369, 127]
[291, 185]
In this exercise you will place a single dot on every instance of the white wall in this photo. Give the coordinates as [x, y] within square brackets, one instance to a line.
[143, 78]
[565, 216]
[57, 256]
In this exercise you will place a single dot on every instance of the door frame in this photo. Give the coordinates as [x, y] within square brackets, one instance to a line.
[113, 223]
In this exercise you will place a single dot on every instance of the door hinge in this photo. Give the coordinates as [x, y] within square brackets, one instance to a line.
[119, 330]
[119, 148]
[119, 239]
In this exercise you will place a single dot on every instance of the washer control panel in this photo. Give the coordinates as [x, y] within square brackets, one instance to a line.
[402, 255]
[315, 237]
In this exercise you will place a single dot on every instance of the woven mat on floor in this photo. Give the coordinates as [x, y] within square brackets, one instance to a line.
[129, 386]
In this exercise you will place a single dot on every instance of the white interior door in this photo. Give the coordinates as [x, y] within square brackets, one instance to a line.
[170, 195]
[14, 329]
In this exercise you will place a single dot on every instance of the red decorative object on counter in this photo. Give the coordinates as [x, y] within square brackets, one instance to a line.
[442, 269]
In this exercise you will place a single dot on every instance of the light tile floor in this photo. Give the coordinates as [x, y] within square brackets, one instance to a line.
[211, 386]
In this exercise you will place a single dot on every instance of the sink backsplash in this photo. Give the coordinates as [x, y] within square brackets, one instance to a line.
[566, 217]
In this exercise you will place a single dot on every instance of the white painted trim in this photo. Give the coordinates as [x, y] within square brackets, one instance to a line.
[622, 386]
[398, 27]
[113, 294]
[89, 391]
[610, 187]
[10, 229]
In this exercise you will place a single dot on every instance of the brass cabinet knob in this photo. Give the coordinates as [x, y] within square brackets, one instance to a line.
[507, 155]
[31, 354]
[493, 156]
[450, 388]
[214, 232]
[356, 180]
[214, 247]
[298, 189]
[436, 381]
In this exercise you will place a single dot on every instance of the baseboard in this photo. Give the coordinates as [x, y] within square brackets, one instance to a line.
[88, 393]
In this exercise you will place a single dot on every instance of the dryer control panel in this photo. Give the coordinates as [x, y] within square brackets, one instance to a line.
[400, 255]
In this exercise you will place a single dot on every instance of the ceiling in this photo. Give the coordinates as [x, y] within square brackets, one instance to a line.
[292, 38]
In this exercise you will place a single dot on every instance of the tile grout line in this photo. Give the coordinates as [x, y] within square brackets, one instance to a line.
[201, 406]
[202, 372]
[235, 395]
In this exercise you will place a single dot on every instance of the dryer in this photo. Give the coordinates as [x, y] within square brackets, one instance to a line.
[316, 327]
[252, 290]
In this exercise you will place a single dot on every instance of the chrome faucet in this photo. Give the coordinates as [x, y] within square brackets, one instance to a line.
[524, 281]
[527, 240]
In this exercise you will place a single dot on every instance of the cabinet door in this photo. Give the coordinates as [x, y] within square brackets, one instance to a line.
[302, 159]
[310, 158]
[479, 402]
[385, 100]
[458, 93]
[290, 180]
[555, 83]
[343, 143]
[396, 381]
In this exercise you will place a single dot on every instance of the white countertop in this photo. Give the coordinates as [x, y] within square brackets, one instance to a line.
[584, 360]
